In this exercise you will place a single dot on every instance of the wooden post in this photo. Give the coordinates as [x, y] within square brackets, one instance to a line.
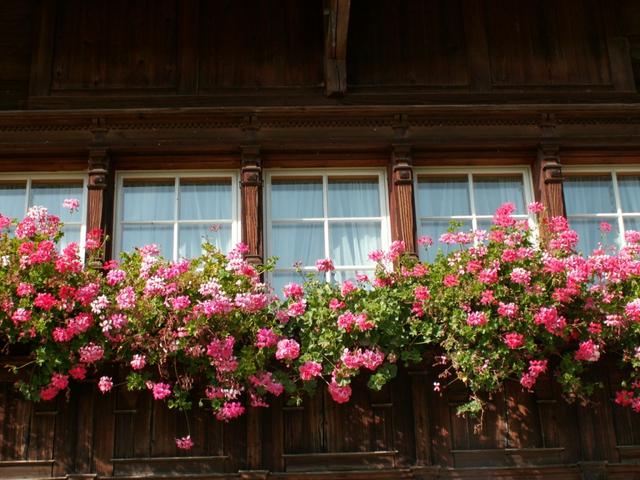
[402, 198]
[547, 173]
[335, 46]
[99, 166]
[251, 208]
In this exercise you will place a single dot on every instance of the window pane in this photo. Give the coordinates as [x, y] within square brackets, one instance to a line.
[340, 276]
[435, 229]
[141, 235]
[592, 194]
[51, 196]
[590, 236]
[443, 197]
[204, 199]
[491, 192]
[300, 198]
[12, 200]
[298, 243]
[71, 234]
[148, 200]
[629, 187]
[351, 243]
[191, 238]
[354, 198]
[280, 279]
[632, 224]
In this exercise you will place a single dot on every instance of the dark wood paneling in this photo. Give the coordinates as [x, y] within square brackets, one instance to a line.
[120, 44]
[265, 43]
[16, 23]
[547, 43]
[405, 430]
[409, 42]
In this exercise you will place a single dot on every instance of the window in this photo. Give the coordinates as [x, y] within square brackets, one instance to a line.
[177, 212]
[310, 215]
[610, 195]
[20, 192]
[469, 197]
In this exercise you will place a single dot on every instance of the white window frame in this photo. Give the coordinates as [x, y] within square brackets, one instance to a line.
[54, 177]
[175, 175]
[385, 234]
[469, 172]
[612, 170]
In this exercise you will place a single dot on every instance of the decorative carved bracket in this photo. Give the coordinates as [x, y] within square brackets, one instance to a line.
[99, 164]
[402, 164]
[549, 158]
[251, 165]
[335, 46]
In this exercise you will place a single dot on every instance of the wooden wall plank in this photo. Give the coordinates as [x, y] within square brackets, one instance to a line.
[96, 50]
[265, 43]
[407, 43]
[42, 55]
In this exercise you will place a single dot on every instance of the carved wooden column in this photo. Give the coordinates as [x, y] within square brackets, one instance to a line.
[547, 173]
[99, 170]
[251, 208]
[402, 205]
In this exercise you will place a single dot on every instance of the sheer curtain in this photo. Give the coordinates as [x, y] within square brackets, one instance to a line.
[297, 239]
[491, 192]
[351, 242]
[443, 197]
[585, 197]
[148, 201]
[589, 195]
[12, 200]
[206, 201]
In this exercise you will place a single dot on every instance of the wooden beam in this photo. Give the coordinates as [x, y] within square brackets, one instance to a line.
[42, 58]
[547, 174]
[335, 47]
[251, 197]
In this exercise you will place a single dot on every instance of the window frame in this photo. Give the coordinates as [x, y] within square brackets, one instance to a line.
[469, 172]
[325, 174]
[612, 170]
[174, 175]
[54, 177]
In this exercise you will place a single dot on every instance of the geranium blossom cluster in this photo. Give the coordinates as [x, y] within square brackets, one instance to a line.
[499, 306]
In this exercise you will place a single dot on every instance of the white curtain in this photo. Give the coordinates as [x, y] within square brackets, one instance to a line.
[191, 238]
[351, 242]
[12, 200]
[353, 198]
[52, 196]
[148, 201]
[589, 194]
[293, 243]
[205, 200]
[590, 235]
[491, 192]
[296, 199]
[629, 188]
[443, 197]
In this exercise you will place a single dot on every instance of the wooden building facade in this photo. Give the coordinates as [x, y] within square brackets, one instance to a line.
[98, 92]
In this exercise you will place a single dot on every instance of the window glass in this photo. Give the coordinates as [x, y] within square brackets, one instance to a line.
[12, 199]
[296, 198]
[443, 197]
[591, 199]
[589, 194]
[354, 198]
[492, 191]
[177, 213]
[470, 199]
[328, 215]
